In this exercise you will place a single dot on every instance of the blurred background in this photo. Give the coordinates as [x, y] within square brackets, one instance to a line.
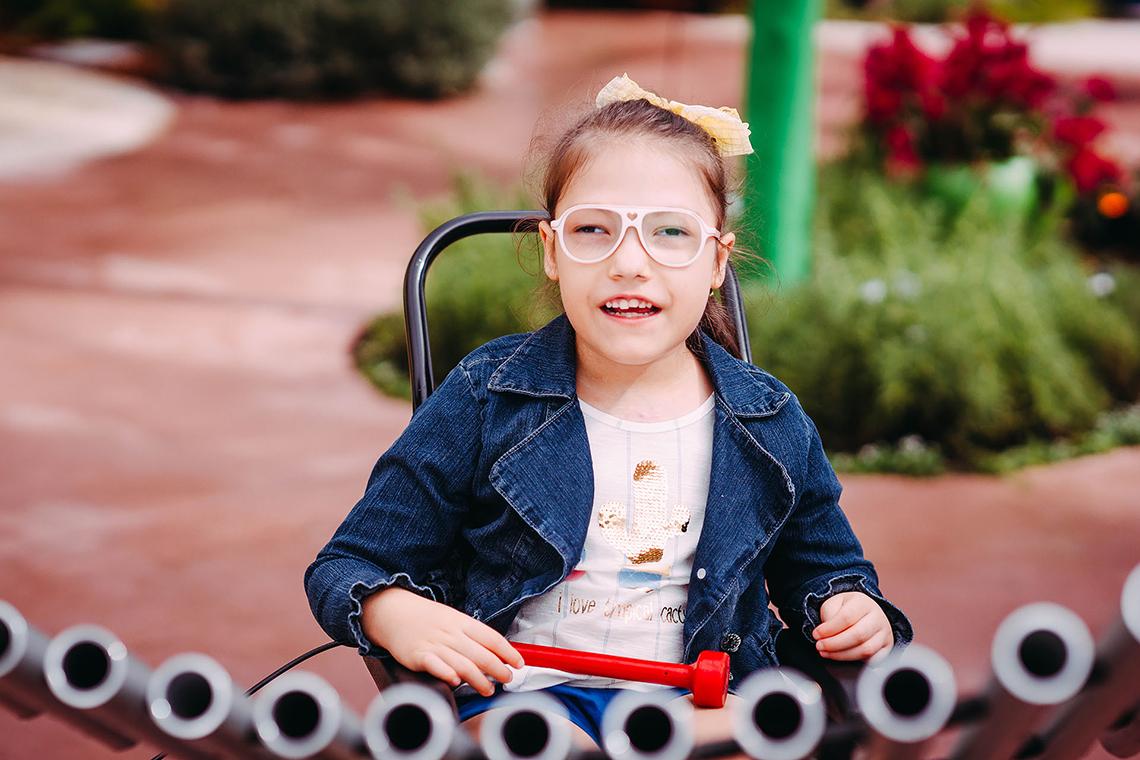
[207, 207]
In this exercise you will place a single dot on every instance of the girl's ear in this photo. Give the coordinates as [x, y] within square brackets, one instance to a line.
[723, 249]
[546, 232]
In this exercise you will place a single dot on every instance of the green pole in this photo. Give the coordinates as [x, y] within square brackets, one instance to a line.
[780, 182]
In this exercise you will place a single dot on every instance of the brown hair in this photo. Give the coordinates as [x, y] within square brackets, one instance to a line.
[642, 119]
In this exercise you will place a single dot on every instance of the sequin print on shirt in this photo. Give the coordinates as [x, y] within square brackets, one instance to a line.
[642, 537]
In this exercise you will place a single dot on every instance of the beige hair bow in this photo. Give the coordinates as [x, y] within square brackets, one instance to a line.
[723, 124]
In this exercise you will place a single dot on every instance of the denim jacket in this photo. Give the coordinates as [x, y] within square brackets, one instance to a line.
[484, 502]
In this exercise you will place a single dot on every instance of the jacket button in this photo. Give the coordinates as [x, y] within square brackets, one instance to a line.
[730, 643]
[701, 574]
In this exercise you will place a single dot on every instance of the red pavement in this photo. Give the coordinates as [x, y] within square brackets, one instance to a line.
[182, 430]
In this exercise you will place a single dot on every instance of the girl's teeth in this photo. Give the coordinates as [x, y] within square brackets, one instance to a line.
[625, 305]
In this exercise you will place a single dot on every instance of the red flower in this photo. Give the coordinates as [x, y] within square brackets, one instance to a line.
[1077, 131]
[883, 105]
[902, 157]
[1090, 170]
[933, 105]
[1099, 88]
[984, 100]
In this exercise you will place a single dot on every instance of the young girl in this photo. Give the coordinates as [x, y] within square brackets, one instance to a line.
[618, 481]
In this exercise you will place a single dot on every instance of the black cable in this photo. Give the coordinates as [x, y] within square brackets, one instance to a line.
[288, 666]
[283, 669]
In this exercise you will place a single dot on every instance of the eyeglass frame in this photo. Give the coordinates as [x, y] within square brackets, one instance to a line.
[558, 225]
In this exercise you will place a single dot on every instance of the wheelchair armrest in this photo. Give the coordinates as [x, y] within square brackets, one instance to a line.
[387, 672]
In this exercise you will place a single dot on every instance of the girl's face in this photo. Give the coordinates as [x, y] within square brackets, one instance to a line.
[628, 309]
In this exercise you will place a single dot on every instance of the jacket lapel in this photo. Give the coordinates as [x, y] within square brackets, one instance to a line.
[547, 476]
[750, 493]
[548, 479]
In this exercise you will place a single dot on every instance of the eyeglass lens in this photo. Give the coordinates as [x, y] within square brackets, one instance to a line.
[671, 237]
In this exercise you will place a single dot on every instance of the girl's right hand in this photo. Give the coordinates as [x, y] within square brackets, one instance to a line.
[431, 637]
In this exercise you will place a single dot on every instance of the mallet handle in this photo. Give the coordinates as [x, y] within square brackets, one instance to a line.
[607, 666]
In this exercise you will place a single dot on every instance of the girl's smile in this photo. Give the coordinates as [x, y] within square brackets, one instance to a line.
[630, 307]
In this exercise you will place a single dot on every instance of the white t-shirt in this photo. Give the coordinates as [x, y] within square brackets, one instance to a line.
[627, 595]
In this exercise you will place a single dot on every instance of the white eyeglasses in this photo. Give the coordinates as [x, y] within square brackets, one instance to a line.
[673, 237]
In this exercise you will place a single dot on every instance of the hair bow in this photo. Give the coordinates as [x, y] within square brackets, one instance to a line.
[723, 124]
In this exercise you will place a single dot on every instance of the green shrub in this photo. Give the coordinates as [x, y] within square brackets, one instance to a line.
[313, 48]
[909, 456]
[62, 19]
[476, 291]
[978, 337]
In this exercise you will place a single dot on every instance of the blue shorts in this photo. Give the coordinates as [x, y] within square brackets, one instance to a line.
[584, 705]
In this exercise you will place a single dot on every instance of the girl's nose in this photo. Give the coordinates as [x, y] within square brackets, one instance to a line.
[630, 259]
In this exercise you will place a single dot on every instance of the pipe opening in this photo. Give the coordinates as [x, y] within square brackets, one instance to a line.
[407, 727]
[526, 733]
[189, 695]
[86, 665]
[778, 716]
[907, 692]
[5, 637]
[649, 728]
[297, 714]
[1043, 653]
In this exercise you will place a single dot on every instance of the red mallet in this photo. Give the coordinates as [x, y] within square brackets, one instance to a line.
[707, 678]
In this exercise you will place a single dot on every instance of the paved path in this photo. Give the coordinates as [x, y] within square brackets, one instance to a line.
[181, 427]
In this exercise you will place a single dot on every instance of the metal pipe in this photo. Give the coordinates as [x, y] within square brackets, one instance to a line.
[411, 721]
[22, 687]
[89, 670]
[780, 715]
[1118, 654]
[192, 698]
[1122, 739]
[906, 699]
[1041, 656]
[648, 725]
[526, 726]
[301, 715]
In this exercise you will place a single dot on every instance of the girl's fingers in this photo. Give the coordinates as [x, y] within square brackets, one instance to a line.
[494, 641]
[433, 665]
[863, 651]
[467, 671]
[483, 658]
[861, 631]
[840, 612]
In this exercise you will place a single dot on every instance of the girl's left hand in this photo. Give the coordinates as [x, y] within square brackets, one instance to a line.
[854, 627]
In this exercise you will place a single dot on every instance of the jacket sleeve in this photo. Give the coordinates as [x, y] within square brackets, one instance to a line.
[817, 555]
[402, 532]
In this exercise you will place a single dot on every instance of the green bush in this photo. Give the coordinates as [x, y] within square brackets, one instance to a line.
[314, 48]
[476, 291]
[62, 19]
[977, 337]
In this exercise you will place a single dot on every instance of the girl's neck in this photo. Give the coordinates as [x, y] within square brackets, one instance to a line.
[665, 390]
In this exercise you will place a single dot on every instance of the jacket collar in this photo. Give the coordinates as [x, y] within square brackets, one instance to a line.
[544, 365]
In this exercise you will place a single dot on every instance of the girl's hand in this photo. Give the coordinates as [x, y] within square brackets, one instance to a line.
[854, 627]
[431, 637]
